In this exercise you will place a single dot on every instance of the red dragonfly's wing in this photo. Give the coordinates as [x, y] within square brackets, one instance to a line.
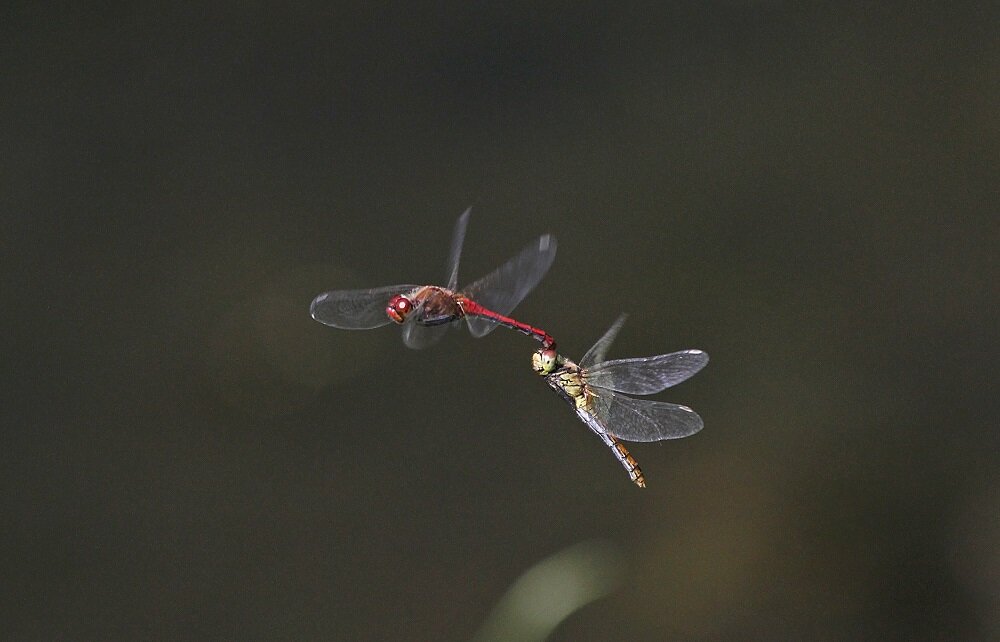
[418, 336]
[457, 239]
[356, 309]
[501, 290]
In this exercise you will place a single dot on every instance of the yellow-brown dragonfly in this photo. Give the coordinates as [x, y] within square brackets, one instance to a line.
[594, 389]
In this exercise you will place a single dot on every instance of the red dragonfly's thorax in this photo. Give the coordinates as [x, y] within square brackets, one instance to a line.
[437, 305]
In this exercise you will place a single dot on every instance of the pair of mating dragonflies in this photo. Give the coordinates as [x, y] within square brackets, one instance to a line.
[596, 389]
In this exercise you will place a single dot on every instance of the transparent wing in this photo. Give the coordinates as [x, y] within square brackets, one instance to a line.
[419, 336]
[356, 309]
[505, 287]
[457, 239]
[643, 420]
[599, 349]
[646, 375]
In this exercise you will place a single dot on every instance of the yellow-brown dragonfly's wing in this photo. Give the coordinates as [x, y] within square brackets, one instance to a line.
[600, 349]
[646, 375]
[641, 419]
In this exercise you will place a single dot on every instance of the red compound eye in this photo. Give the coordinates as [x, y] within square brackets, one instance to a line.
[399, 307]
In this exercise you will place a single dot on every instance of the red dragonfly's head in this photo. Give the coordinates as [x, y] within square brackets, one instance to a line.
[399, 308]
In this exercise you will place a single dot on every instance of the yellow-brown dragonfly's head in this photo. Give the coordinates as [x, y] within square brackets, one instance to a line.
[399, 308]
[544, 361]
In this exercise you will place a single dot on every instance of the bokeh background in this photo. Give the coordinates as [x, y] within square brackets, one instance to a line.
[809, 194]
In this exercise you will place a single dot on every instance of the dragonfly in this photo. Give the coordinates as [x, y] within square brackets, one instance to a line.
[595, 387]
[426, 311]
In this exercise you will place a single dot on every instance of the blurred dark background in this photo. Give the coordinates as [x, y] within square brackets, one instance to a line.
[809, 194]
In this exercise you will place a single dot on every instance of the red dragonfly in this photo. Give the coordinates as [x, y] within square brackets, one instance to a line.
[594, 386]
[425, 311]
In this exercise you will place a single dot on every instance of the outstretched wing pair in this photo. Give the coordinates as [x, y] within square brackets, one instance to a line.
[634, 419]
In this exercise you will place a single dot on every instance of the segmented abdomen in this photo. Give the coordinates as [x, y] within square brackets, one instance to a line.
[634, 472]
[618, 448]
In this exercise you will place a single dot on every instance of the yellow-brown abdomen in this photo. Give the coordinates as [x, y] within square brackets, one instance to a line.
[630, 464]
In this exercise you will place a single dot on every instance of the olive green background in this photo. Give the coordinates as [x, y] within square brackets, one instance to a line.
[808, 194]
